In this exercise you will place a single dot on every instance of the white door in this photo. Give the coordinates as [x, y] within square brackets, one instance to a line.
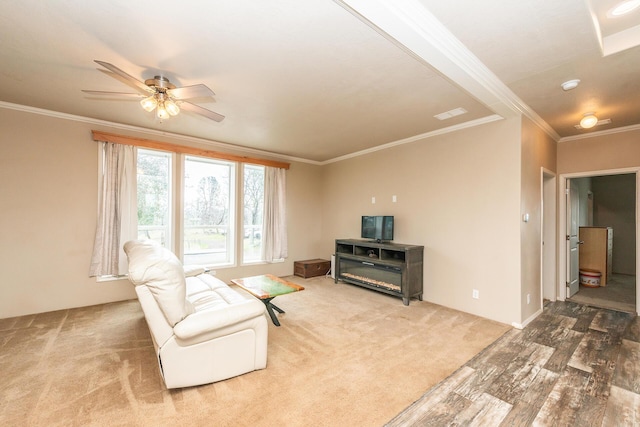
[573, 270]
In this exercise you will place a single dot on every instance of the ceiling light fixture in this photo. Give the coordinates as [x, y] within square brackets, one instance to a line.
[166, 107]
[149, 104]
[589, 120]
[570, 84]
[624, 8]
[172, 107]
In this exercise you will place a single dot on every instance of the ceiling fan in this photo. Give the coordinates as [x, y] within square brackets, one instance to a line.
[161, 95]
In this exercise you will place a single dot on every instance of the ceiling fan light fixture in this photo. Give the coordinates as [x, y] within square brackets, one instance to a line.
[161, 95]
[171, 107]
[148, 104]
[588, 121]
[162, 112]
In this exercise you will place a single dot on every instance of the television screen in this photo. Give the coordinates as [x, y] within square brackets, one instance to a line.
[377, 228]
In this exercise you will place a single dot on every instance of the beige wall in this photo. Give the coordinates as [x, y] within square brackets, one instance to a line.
[461, 195]
[48, 181]
[458, 195]
[538, 151]
[48, 175]
[599, 153]
[614, 206]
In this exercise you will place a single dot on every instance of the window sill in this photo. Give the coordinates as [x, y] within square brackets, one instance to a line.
[100, 279]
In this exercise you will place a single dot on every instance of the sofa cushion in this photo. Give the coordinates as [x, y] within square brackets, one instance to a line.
[161, 271]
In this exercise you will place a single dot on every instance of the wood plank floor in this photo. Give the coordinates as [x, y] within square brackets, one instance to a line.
[574, 365]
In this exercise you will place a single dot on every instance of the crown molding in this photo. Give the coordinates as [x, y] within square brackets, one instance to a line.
[150, 132]
[600, 133]
[454, 128]
[222, 145]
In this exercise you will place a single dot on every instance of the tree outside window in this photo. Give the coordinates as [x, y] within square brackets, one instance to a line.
[208, 191]
[208, 232]
[154, 201]
[253, 201]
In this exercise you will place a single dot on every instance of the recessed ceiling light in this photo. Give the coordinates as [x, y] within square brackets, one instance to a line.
[570, 84]
[624, 8]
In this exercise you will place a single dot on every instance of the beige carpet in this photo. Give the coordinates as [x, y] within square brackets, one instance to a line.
[343, 356]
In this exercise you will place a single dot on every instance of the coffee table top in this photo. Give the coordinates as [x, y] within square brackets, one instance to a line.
[267, 286]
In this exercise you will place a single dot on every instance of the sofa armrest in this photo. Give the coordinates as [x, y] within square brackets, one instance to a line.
[193, 270]
[205, 321]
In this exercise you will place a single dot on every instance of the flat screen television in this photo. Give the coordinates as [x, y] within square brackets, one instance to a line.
[379, 228]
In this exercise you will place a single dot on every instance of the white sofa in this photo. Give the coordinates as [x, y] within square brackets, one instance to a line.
[203, 331]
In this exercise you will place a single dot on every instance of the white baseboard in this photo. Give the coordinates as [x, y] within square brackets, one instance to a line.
[526, 322]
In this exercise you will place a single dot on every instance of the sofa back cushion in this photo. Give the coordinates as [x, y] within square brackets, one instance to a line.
[161, 271]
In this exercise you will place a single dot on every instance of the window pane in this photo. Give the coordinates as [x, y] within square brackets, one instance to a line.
[154, 196]
[253, 199]
[209, 190]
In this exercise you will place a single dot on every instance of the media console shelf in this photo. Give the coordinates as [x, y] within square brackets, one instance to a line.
[392, 268]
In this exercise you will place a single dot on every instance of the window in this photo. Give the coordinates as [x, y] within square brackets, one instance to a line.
[209, 214]
[154, 196]
[209, 207]
[211, 232]
[252, 217]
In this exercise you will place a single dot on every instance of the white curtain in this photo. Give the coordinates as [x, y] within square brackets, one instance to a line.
[117, 212]
[274, 244]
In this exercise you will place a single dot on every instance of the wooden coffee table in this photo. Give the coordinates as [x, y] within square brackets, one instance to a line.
[266, 287]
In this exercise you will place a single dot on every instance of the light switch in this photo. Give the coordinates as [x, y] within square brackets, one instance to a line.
[373, 200]
[394, 198]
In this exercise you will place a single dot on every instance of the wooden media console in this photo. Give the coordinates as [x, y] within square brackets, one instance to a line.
[392, 268]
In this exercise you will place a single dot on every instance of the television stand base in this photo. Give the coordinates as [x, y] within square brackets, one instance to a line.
[392, 268]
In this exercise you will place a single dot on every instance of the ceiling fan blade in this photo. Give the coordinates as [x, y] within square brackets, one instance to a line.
[185, 105]
[114, 94]
[188, 92]
[143, 87]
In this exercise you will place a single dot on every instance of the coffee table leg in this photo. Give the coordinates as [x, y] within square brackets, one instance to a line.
[270, 308]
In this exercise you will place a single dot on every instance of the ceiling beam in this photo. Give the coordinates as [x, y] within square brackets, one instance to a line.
[416, 30]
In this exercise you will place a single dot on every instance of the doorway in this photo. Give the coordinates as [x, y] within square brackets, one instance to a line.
[606, 200]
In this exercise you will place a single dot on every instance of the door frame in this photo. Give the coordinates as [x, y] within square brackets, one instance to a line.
[572, 242]
[548, 241]
[561, 290]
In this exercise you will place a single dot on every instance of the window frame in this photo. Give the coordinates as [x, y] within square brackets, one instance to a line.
[177, 227]
[232, 243]
[178, 152]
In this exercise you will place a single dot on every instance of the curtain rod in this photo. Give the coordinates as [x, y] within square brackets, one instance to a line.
[175, 148]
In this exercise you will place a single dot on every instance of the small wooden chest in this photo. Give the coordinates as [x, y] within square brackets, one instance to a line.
[311, 268]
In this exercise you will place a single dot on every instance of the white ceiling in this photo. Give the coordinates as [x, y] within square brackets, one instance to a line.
[318, 79]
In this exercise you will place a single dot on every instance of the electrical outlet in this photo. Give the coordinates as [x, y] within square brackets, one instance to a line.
[476, 294]
[373, 200]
